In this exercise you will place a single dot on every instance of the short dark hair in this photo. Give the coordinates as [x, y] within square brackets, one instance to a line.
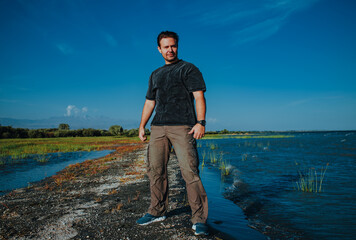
[167, 34]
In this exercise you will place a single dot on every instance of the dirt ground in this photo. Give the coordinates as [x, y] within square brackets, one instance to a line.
[101, 204]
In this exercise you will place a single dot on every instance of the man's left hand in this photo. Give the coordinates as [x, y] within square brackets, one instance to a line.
[198, 130]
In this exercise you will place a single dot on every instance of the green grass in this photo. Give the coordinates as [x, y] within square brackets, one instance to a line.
[224, 168]
[203, 155]
[42, 158]
[217, 160]
[311, 181]
[213, 146]
[244, 157]
[23, 148]
[213, 157]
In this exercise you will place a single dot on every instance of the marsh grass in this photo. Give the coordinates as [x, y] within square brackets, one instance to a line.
[213, 157]
[42, 158]
[18, 149]
[217, 160]
[311, 180]
[224, 168]
[203, 155]
[211, 145]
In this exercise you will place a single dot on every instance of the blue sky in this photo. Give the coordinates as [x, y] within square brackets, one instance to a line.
[268, 65]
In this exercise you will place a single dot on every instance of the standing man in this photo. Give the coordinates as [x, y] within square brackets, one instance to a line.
[172, 90]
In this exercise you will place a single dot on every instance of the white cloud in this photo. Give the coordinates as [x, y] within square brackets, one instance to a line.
[64, 48]
[73, 111]
[110, 40]
[252, 20]
[328, 99]
[69, 110]
[211, 120]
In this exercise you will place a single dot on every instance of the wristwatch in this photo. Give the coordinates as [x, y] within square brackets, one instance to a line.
[202, 122]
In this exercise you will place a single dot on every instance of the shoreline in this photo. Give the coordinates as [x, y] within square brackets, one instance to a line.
[103, 203]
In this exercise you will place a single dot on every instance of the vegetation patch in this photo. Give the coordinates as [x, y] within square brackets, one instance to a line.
[311, 180]
[23, 148]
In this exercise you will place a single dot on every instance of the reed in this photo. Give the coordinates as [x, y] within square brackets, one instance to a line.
[224, 168]
[211, 145]
[203, 155]
[221, 156]
[213, 157]
[42, 158]
[311, 181]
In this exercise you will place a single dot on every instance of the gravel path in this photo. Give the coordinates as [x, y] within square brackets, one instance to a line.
[102, 204]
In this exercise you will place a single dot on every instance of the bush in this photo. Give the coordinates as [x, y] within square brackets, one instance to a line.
[63, 126]
[9, 132]
[132, 132]
[90, 132]
[116, 130]
[36, 133]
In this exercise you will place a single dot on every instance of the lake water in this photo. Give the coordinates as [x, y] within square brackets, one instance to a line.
[21, 172]
[267, 169]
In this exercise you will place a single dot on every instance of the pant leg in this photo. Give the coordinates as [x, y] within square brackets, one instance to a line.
[157, 159]
[185, 148]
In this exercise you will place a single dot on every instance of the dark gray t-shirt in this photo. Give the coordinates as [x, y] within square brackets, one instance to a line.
[172, 87]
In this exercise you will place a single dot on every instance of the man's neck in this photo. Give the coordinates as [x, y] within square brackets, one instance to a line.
[171, 62]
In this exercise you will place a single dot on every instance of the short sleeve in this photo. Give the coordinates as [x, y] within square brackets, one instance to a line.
[151, 92]
[194, 80]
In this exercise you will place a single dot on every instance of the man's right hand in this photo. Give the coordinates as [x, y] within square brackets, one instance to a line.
[141, 134]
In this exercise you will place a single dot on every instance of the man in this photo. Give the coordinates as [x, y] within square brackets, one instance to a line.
[172, 90]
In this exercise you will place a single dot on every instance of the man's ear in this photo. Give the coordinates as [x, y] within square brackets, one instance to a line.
[159, 49]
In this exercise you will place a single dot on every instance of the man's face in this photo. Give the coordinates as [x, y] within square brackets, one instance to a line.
[169, 50]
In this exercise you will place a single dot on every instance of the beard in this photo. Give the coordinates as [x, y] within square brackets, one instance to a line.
[171, 58]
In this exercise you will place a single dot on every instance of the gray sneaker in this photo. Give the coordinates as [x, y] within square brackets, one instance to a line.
[201, 229]
[148, 218]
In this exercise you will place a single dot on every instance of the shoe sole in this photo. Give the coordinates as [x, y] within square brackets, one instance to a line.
[198, 234]
[154, 220]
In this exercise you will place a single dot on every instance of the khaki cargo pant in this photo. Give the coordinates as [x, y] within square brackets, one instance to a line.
[162, 138]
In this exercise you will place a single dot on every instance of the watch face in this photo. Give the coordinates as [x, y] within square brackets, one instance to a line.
[202, 122]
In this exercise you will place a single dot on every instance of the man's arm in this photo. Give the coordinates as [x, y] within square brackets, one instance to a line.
[146, 114]
[200, 106]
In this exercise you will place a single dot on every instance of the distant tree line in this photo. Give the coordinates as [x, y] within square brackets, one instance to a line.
[225, 131]
[63, 130]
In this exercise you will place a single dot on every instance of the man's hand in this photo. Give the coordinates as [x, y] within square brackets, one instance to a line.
[141, 134]
[198, 130]
[146, 114]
